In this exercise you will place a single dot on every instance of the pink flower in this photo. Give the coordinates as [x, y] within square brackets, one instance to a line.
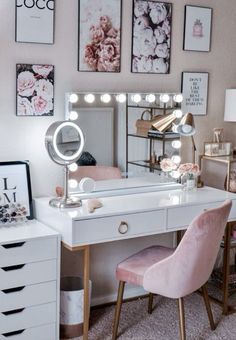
[42, 70]
[24, 107]
[97, 34]
[90, 58]
[105, 23]
[26, 84]
[41, 105]
[167, 165]
[44, 89]
[109, 56]
[189, 168]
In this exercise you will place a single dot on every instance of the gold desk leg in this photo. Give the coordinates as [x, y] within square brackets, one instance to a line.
[226, 263]
[86, 292]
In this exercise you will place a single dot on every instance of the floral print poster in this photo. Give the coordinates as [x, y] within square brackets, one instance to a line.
[99, 35]
[35, 90]
[151, 37]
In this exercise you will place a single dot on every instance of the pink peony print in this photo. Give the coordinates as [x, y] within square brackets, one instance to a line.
[102, 54]
[24, 106]
[44, 89]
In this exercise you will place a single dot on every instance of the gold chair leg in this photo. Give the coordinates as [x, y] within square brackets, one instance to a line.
[181, 319]
[208, 307]
[150, 302]
[118, 309]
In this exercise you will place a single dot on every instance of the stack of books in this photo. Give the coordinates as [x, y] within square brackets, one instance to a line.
[167, 134]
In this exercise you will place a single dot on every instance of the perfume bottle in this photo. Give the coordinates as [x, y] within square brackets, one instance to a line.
[198, 29]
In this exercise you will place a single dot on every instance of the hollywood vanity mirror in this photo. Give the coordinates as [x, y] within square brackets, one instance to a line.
[110, 123]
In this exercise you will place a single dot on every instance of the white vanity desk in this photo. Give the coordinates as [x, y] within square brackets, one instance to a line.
[128, 216]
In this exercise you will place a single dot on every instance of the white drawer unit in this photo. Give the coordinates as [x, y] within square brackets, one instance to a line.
[29, 282]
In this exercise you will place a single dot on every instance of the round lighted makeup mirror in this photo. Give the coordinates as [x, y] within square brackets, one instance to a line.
[64, 142]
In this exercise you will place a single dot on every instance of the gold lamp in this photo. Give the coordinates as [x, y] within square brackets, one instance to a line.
[186, 127]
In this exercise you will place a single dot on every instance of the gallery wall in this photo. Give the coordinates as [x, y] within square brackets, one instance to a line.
[23, 137]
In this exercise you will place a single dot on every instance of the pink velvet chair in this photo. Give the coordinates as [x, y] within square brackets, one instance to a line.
[175, 273]
[97, 172]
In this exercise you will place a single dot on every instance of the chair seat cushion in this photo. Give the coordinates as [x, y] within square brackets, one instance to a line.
[133, 268]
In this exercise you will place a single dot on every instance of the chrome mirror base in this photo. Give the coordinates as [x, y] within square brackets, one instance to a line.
[62, 202]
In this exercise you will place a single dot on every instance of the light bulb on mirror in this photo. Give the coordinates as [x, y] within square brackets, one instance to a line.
[176, 144]
[178, 98]
[73, 98]
[164, 98]
[150, 98]
[176, 159]
[136, 98]
[178, 113]
[89, 98]
[121, 98]
[73, 167]
[73, 115]
[106, 98]
[73, 183]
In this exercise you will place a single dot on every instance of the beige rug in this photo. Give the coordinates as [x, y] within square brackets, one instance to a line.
[163, 324]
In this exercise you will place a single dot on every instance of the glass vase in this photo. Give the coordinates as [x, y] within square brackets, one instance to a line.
[189, 183]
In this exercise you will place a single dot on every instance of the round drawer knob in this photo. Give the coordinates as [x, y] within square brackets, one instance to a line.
[123, 227]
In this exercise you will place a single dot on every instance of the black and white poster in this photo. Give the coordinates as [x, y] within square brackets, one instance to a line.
[194, 90]
[15, 192]
[35, 21]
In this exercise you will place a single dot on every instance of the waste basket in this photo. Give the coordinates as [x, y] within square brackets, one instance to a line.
[72, 307]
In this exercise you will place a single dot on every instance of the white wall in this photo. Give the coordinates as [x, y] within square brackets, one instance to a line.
[23, 137]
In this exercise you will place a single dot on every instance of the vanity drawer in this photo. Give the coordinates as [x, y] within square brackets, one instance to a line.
[26, 296]
[183, 216]
[48, 331]
[29, 317]
[28, 274]
[118, 227]
[29, 251]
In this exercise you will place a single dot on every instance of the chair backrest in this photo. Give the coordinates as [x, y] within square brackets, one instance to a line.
[190, 266]
[98, 172]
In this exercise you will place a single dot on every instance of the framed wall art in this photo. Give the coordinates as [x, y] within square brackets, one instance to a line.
[99, 35]
[15, 192]
[151, 37]
[34, 90]
[195, 91]
[34, 21]
[197, 28]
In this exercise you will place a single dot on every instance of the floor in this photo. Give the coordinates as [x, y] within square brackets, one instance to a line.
[163, 324]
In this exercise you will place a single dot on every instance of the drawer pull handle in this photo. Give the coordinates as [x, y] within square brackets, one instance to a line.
[13, 290]
[8, 269]
[7, 335]
[15, 311]
[13, 245]
[123, 227]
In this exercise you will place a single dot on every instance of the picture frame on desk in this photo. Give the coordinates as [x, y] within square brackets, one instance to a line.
[194, 88]
[15, 192]
[34, 21]
[197, 28]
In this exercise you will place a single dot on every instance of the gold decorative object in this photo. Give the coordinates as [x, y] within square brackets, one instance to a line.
[163, 123]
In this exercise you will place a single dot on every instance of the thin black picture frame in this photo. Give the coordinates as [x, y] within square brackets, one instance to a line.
[207, 89]
[184, 30]
[132, 43]
[79, 43]
[30, 215]
[29, 97]
[35, 3]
